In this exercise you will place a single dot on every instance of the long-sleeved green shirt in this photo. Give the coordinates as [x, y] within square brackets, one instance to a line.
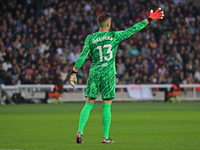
[103, 48]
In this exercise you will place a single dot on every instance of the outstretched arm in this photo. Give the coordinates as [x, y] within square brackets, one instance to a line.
[121, 35]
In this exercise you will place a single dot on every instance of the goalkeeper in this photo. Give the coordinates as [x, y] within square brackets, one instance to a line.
[103, 47]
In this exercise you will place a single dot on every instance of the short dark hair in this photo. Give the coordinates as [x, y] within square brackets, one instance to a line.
[102, 18]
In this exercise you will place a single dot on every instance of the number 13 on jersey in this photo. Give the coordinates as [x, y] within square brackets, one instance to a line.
[109, 46]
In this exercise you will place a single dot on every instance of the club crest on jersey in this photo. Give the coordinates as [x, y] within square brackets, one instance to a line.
[102, 39]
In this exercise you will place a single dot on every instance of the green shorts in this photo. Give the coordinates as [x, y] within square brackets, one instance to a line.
[104, 83]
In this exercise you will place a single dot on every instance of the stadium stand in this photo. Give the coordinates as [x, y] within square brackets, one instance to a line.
[40, 40]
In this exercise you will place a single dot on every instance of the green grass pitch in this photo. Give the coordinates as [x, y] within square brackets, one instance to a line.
[138, 126]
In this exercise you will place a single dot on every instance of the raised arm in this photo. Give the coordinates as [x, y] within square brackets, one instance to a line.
[121, 35]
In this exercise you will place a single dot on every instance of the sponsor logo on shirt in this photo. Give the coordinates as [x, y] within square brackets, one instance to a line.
[103, 65]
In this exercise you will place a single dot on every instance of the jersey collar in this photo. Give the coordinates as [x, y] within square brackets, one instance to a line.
[103, 31]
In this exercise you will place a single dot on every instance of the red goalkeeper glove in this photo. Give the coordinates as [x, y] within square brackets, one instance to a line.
[155, 15]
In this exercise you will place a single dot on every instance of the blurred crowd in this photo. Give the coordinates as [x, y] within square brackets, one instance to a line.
[40, 40]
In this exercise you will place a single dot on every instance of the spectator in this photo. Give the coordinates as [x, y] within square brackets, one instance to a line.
[133, 51]
[145, 52]
[40, 40]
[120, 68]
[162, 70]
[74, 55]
[7, 65]
[197, 75]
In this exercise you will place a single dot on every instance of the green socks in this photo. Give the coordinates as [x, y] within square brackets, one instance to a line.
[84, 116]
[106, 119]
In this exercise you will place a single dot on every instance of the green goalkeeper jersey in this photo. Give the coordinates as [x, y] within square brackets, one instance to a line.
[103, 48]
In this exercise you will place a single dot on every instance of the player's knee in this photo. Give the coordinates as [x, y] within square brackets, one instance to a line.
[90, 100]
[107, 101]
